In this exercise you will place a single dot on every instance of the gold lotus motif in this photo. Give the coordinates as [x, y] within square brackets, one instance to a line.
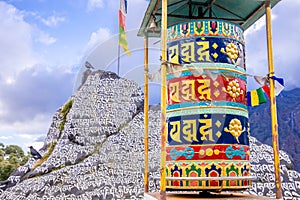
[232, 51]
[233, 89]
[235, 128]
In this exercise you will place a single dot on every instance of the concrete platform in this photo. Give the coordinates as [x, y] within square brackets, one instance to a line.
[196, 195]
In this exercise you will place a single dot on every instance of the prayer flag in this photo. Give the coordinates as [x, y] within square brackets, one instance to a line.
[266, 90]
[279, 84]
[122, 18]
[256, 97]
[261, 80]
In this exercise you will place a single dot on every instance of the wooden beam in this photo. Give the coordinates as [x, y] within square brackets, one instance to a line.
[218, 5]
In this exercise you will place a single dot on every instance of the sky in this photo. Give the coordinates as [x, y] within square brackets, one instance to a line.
[44, 44]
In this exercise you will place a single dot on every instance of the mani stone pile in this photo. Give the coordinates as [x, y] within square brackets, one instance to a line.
[95, 150]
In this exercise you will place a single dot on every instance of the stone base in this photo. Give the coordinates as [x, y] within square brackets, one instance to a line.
[197, 195]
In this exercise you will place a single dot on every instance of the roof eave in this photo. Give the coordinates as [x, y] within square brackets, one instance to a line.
[257, 14]
[154, 4]
[143, 31]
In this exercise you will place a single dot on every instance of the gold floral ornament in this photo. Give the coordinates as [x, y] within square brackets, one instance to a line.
[233, 89]
[231, 51]
[235, 128]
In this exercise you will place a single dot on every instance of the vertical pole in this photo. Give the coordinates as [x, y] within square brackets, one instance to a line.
[146, 116]
[163, 100]
[119, 57]
[273, 102]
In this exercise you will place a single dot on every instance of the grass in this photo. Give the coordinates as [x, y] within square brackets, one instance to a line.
[46, 155]
[64, 111]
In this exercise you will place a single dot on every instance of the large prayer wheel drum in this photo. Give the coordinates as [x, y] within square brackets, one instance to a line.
[207, 116]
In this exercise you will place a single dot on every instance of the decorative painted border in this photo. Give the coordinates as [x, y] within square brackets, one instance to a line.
[206, 28]
[209, 169]
[208, 152]
[209, 69]
[222, 186]
[207, 104]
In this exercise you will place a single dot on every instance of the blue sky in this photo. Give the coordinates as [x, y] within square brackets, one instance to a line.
[43, 44]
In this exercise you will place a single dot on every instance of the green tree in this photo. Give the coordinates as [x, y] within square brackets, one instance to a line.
[11, 157]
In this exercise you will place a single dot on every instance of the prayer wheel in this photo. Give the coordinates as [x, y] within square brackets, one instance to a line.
[207, 114]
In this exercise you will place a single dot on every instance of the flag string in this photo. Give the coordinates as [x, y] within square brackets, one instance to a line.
[176, 70]
[171, 64]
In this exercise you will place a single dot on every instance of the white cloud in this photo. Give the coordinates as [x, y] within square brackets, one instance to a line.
[259, 24]
[96, 38]
[29, 102]
[29, 94]
[45, 38]
[94, 4]
[285, 40]
[5, 137]
[16, 41]
[105, 53]
[25, 131]
[24, 134]
[293, 1]
[53, 20]
[134, 18]
[36, 145]
[25, 88]
[10, 80]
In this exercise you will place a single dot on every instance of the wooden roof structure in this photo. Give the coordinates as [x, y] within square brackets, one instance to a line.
[241, 12]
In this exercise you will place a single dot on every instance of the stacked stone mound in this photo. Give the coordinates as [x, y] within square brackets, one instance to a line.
[262, 166]
[95, 150]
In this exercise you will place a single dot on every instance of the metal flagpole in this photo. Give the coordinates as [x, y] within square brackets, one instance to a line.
[273, 102]
[163, 100]
[146, 115]
[119, 56]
